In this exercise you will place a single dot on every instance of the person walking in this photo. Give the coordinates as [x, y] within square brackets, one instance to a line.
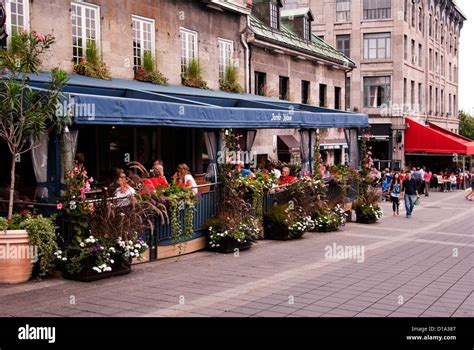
[395, 190]
[471, 194]
[427, 178]
[410, 194]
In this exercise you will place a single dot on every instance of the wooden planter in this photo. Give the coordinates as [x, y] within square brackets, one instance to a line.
[278, 231]
[228, 245]
[119, 267]
[15, 257]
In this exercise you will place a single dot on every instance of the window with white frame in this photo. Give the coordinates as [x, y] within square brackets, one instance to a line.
[307, 29]
[343, 10]
[377, 46]
[377, 9]
[226, 49]
[143, 39]
[274, 16]
[17, 16]
[85, 28]
[188, 47]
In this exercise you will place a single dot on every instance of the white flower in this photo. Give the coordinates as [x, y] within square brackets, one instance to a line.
[95, 268]
[82, 244]
[64, 259]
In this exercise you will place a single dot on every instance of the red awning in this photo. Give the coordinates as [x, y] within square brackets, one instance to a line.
[434, 139]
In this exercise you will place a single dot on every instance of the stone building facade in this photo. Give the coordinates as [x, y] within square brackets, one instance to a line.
[115, 26]
[288, 62]
[277, 46]
[407, 56]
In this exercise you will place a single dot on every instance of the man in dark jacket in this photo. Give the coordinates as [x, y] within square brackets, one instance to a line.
[410, 193]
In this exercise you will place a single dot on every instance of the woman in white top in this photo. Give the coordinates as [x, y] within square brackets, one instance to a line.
[124, 193]
[183, 178]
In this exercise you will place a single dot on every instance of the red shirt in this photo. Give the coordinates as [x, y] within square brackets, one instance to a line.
[284, 180]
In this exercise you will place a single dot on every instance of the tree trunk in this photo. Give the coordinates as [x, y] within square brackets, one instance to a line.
[12, 188]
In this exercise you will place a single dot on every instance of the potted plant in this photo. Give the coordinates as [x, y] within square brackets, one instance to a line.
[192, 75]
[92, 258]
[367, 213]
[92, 64]
[25, 114]
[286, 221]
[230, 82]
[22, 257]
[329, 219]
[148, 72]
[226, 237]
[105, 234]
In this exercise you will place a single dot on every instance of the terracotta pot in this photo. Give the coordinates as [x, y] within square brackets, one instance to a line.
[15, 257]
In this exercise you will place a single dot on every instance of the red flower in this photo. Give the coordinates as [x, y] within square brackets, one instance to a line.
[24, 212]
[141, 70]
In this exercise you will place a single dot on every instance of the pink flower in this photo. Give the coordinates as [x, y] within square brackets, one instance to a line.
[39, 37]
[59, 206]
[84, 173]
[87, 187]
[91, 180]
[5, 70]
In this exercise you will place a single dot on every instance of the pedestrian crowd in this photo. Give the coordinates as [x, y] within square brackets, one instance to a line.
[409, 185]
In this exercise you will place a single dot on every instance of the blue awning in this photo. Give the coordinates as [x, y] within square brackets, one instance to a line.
[123, 102]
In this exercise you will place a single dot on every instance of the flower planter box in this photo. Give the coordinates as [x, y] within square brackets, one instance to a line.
[16, 262]
[119, 267]
[278, 231]
[228, 245]
[365, 220]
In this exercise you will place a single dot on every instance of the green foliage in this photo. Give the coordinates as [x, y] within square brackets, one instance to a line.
[149, 62]
[287, 221]
[41, 232]
[23, 55]
[248, 229]
[368, 210]
[192, 75]
[329, 219]
[92, 65]
[148, 71]
[3, 224]
[26, 113]
[466, 125]
[230, 82]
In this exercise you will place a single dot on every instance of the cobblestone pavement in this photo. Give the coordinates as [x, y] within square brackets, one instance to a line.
[421, 266]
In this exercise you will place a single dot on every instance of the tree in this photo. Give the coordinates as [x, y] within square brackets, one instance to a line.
[26, 113]
[466, 125]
